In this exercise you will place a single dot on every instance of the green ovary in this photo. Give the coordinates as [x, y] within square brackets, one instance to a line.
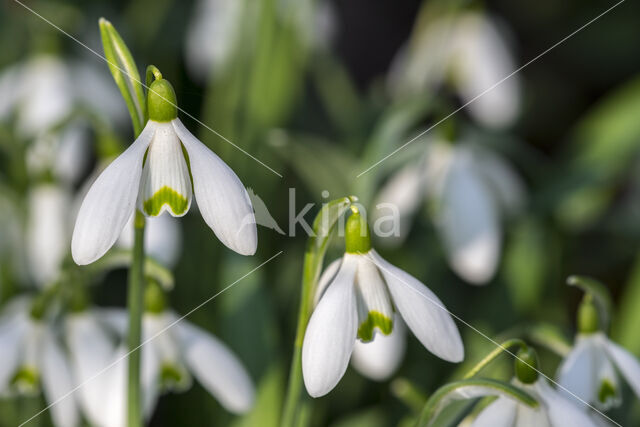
[374, 320]
[166, 196]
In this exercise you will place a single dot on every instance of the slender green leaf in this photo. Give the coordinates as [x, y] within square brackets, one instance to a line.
[125, 73]
[470, 389]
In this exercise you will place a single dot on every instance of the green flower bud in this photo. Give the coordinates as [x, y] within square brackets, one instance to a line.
[154, 298]
[588, 320]
[161, 101]
[526, 366]
[357, 235]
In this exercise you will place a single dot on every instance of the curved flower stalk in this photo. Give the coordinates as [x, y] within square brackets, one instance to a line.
[471, 188]
[155, 172]
[467, 50]
[360, 302]
[589, 370]
[32, 359]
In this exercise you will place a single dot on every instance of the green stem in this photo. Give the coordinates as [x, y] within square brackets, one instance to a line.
[295, 374]
[495, 353]
[135, 305]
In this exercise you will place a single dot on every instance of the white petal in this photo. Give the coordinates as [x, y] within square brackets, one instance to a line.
[116, 319]
[115, 391]
[422, 311]
[222, 199]
[501, 413]
[57, 384]
[91, 352]
[380, 358]
[217, 368]
[577, 371]
[326, 278]
[109, 203]
[626, 363]
[331, 332]
[47, 232]
[562, 411]
[403, 192]
[165, 184]
[12, 331]
[375, 312]
[468, 223]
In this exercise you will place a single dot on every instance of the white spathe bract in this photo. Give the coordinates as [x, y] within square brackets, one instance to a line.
[472, 189]
[164, 184]
[359, 301]
[554, 410]
[31, 347]
[589, 370]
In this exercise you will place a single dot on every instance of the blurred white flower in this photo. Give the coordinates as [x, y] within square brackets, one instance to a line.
[470, 187]
[48, 231]
[555, 410]
[161, 183]
[589, 370]
[358, 302]
[32, 360]
[171, 353]
[469, 51]
[44, 90]
[162, 238]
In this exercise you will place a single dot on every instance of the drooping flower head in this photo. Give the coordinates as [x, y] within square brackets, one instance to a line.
[161, 171]
[360, 301]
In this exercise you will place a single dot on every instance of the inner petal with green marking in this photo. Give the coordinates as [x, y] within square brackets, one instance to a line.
[166, 183]
[375, 311]
[607, 392]
[374, 320]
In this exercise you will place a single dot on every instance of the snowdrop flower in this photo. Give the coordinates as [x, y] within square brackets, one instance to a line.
[589, 370]
[360, 302]
[469, 51]
[48, 231]
[554, 410]
[471, 187]
[155, 172]
[32, 359]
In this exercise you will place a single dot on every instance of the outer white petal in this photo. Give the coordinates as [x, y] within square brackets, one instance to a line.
[326, 278]
[501, 413]
[331, 332]
[109, 202]
[165, 169]
[47, 231]
[222, 199]
[563, 411]
[468, 223]
[380, 358]
[57, 383]
[92, 351]
[115, 392]
[626, 363]
[577, 371]
[216, 368]
[401, 195]
[422, 311]
[12, 331]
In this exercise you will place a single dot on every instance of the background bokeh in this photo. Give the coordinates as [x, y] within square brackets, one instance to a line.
[305, 87]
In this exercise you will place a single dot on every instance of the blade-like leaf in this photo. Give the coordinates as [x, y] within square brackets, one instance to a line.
[125, 73]
[470, 389]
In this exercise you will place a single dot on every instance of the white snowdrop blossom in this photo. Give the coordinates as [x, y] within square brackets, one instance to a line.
[32, 359]
[48, 231]
[155, 172]
[554, 410]
[359, 302]
[469, 51]
[471, 188]
[589, 370]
